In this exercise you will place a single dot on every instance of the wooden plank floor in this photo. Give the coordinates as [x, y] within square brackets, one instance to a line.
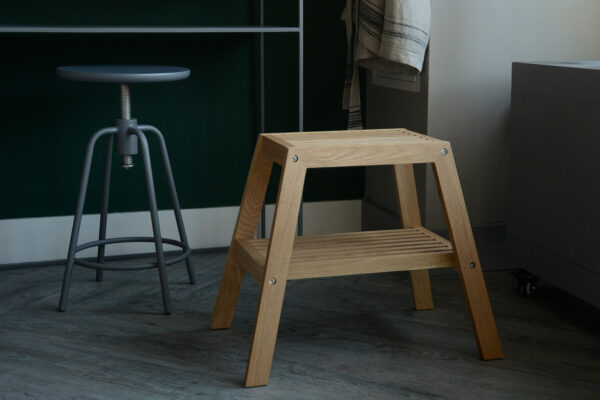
[353, 337]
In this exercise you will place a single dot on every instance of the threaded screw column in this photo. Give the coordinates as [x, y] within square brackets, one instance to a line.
[125, 102]
[127, 160]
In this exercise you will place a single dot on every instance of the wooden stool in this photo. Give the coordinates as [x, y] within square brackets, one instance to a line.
[271, 262]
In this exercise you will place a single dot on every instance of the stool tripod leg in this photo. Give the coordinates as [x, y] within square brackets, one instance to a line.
[87, 164]
[104, 206]
[160, 256]
[467, 260]
[174, 197]
[245, 228]
[411, 218]
[276, 271]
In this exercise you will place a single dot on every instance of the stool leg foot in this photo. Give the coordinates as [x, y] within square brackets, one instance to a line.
[64, 295]
[104, 206]
[467, 260]
[160, 257]
[174, 197]
[245, 228]
[411, 218]
[421, 288]
[276, 272]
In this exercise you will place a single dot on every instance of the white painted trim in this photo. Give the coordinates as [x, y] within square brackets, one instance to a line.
[47, 238]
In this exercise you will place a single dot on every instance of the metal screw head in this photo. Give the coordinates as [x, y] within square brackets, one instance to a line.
[444, 152]
[272, 281]
[294, 158]
[472, 264]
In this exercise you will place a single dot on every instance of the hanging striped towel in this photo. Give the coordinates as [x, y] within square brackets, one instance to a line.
[385, 35]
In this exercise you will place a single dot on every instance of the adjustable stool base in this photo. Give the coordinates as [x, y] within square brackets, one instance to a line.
[157, 239]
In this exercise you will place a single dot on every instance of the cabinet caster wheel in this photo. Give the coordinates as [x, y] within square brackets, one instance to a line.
[526, 289]
[526, 283]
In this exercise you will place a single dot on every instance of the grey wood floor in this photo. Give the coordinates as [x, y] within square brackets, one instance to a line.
[340, 338]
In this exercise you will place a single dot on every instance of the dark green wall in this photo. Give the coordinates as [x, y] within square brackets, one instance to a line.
[210, 120]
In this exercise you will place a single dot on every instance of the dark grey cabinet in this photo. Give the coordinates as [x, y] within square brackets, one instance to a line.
[554, 206]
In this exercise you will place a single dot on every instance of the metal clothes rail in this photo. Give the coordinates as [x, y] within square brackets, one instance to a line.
[260, 29]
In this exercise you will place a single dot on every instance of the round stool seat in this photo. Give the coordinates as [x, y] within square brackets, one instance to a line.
[122, 73]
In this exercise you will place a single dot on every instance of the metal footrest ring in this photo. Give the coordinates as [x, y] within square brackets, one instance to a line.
[133, 267]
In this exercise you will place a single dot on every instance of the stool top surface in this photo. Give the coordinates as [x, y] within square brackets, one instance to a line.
[353, 148]
[353, 138]
[122, 73]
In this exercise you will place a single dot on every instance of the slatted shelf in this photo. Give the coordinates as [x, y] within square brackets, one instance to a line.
[352, 253]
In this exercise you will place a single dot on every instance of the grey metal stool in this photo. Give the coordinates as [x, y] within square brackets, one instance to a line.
[128, 134]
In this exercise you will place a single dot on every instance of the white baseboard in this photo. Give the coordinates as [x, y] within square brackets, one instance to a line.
[40, 239]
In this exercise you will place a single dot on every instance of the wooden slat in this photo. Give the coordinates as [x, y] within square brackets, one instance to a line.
[352, 253]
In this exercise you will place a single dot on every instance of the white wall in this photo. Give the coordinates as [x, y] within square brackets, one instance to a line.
[473, 43]
[27, 240]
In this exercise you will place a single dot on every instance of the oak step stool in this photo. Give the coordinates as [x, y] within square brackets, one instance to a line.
[273, 261]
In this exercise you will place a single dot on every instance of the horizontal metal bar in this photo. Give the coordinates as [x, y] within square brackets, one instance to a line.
[131, 267]
[147, 29]
[128, 239]
[134, 239]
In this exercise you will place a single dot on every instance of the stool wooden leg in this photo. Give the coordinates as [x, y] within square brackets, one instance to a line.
[421, 288]
[276, 270]
[411, 218]
[467, 260]
[245, 227]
